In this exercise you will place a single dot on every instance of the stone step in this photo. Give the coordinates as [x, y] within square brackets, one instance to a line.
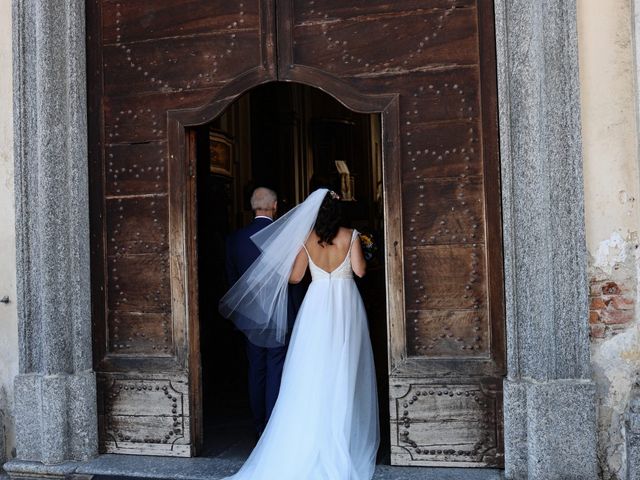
[130, 467]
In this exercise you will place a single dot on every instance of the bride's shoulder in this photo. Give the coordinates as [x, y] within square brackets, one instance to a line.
[345, 235]
[348, 231]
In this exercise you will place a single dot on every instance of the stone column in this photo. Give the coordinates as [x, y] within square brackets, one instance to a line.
[55, 393]
[550, 416]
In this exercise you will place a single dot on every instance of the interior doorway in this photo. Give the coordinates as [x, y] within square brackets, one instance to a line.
[293, 139]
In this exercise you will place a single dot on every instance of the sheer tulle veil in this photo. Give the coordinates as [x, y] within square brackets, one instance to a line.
[257, 302]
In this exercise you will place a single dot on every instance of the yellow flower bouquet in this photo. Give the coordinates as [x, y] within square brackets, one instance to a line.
[369, 248]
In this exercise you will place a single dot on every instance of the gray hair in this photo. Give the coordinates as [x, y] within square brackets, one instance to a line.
[263, 199]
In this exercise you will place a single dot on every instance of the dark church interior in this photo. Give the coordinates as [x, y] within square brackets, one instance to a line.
[292, 139]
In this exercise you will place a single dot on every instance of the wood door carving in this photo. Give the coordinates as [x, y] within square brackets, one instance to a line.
[428, 66]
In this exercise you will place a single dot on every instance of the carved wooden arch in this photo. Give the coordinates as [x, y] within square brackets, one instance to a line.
[182, 234]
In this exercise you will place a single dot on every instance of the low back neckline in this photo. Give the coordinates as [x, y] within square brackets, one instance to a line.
[353, 234]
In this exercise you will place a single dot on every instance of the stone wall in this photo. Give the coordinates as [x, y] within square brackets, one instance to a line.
[8, 315]
[609, 132]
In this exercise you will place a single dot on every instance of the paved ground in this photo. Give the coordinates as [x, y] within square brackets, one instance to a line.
[229, 440]
[433, 474]
[229, 443]
[125, 467]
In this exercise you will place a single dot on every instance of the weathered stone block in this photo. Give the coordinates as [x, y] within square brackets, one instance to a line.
[3, 446]
[562, 430]
[552, 430]
[633, 434]
[25, 470]
[56, 417]
[83, 422]
[515, 437]
[28, 432]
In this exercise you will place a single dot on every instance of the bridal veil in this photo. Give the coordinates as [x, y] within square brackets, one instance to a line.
[257, 302]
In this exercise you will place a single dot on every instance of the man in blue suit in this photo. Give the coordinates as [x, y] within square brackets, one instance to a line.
[265, 364]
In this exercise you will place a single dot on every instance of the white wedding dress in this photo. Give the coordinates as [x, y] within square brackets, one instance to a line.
[324, 425]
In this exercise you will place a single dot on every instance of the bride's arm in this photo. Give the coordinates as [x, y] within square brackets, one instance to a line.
[358, 263]
[299, 267]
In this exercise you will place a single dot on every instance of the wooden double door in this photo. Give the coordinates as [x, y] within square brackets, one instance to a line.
[157, 68]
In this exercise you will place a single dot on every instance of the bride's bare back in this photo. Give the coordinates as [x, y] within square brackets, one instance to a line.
[329, 257]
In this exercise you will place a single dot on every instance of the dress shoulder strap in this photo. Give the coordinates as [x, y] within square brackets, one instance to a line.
[354, 235]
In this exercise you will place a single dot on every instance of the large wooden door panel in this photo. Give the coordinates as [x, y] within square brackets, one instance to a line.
[446, 423]
[148, 415]
[390, 42]
[138, 119]
[146, 58]
[198, 62]
[442, 211]
[446, 328]
[148, 176]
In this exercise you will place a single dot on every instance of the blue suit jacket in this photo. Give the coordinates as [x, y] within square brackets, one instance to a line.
[242, 252]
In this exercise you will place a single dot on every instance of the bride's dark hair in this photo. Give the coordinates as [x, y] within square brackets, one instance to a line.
[329, 219]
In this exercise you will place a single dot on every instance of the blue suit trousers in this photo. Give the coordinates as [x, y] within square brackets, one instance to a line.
[265, 373]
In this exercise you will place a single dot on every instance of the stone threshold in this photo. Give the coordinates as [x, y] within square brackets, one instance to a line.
[113, 467]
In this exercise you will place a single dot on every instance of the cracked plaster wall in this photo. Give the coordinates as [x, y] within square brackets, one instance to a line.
[609, 130]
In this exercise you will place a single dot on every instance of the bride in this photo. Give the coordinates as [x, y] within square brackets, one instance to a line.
[324, 425]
